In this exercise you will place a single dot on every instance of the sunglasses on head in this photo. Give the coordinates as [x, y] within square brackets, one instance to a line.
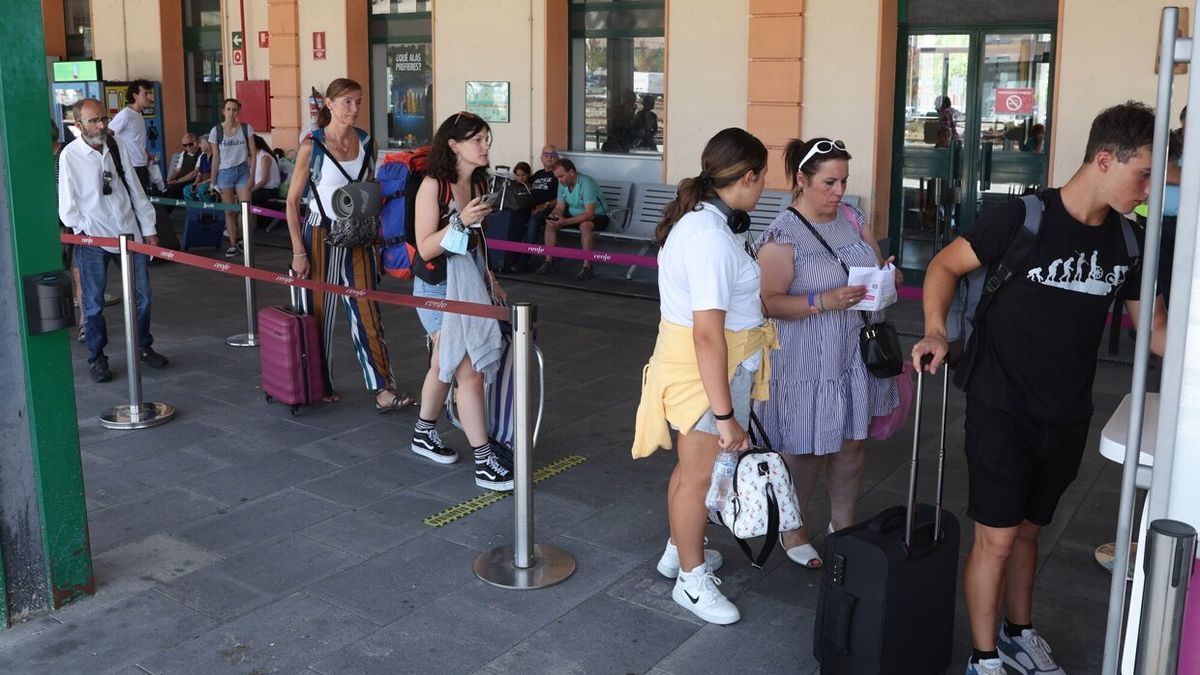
[464, 113]
[823, 148]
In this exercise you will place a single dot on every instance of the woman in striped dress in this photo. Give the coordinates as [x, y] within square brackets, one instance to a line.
[822, 395]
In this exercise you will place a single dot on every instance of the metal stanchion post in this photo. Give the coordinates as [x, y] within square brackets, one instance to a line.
[250, 337]
[1170, 555]
[524, 565]
[136, 415]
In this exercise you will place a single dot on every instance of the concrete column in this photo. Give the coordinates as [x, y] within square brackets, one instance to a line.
[43, 521]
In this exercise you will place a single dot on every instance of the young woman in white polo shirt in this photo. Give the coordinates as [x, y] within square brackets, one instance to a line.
[710, 358]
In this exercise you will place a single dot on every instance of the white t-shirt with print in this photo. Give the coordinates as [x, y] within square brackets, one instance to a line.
[704, 266]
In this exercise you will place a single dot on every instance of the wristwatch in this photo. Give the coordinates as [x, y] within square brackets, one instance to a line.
[456, 222]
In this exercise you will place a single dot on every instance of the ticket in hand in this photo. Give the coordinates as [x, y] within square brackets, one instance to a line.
[881, 287]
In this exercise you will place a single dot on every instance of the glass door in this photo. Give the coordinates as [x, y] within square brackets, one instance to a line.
[975, 112]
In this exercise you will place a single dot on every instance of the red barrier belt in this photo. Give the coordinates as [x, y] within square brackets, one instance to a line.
[233, 269]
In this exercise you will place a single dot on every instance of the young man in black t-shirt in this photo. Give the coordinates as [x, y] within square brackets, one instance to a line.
[1029, 396]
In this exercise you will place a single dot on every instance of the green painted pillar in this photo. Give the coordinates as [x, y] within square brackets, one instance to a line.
[44, 550]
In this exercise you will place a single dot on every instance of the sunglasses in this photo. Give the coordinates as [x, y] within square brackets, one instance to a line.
[549, 154]
[107, 178]
[96, 120]
[468, 115]
[823, 148]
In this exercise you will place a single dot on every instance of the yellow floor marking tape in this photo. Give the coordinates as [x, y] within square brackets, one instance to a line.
[474, 504]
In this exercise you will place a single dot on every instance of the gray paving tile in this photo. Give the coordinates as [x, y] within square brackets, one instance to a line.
[136, 567]
[131, 629]
[134, 446]
[493, 526]
[170, 468]
[742, 643]
[113, 487]
[376, 527]
[601, 635]
[450, 635]
[400, 580]
[595, 570]
[136, 519]
[259, 575]
[230, 530]
[351, 447]
[374, 478]
[35, 628]
[282, 637]
[271, 473]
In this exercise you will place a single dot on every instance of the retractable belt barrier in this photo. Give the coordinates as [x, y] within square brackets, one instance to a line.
[523, 565]
[234, 269]
[209, 206]
[270, 213]
[578, 254]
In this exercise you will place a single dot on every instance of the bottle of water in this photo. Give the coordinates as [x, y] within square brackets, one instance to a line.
[722, 480]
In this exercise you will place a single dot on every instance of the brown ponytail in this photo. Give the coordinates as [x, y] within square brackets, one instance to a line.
[726, 158]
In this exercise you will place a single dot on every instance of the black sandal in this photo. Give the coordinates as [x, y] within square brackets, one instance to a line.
[399, 402]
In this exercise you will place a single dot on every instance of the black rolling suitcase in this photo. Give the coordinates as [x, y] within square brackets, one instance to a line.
[887, 597]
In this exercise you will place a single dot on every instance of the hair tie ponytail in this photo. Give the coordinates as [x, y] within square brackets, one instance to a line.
[705, 179]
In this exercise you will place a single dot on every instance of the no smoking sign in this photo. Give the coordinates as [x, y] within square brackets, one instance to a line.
[1014, 101]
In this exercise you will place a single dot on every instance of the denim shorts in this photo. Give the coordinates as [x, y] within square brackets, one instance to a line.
[234, 177]
[739, 391]
[431, 319]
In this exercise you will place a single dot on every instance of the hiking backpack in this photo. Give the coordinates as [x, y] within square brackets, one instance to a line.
[976, 290]
[399, 177]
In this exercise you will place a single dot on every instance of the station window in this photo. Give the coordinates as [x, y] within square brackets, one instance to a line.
[617, 59]
[401, 35]
[202, 64]
[77, 16]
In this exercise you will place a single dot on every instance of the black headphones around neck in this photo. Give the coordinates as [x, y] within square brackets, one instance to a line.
[737, 220]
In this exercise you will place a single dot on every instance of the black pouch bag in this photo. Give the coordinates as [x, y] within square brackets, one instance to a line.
[880, 347]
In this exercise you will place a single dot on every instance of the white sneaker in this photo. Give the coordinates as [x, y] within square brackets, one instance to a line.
[986, 667]
[668, 564]
[1028, 653]
[697, 592]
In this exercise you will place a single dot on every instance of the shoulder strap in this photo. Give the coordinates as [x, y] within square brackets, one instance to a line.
[1131, 242]
[246, 136]
[862, 315]
[1019, 249]
[850, 214]
[115, 151]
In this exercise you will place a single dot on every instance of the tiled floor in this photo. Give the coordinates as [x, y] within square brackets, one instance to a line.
[241, 539]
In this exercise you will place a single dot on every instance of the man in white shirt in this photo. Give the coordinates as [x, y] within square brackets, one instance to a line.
[130, 126]
[99, 198]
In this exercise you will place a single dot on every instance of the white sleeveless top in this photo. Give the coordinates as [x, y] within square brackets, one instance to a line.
[331, 179]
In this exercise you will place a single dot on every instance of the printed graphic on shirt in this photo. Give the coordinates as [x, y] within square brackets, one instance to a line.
[1082, 274]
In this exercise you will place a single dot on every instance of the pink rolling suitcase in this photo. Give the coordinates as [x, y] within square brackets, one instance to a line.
[290, 352]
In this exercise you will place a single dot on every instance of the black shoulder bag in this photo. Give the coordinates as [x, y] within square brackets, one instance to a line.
[878, 342]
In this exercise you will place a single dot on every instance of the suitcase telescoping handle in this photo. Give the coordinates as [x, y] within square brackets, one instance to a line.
[910, 513]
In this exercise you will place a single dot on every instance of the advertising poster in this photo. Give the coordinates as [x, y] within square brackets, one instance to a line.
[410, 84]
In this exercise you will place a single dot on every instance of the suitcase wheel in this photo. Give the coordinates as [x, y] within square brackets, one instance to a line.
[294, 409]
[268, 397]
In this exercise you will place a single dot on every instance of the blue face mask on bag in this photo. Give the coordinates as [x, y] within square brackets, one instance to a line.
[455, 240]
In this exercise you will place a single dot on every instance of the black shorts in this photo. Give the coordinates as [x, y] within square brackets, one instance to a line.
[1019, 467]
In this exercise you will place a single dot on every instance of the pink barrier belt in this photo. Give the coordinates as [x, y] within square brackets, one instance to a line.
[260, 211]
[559, 252]
[471, 308]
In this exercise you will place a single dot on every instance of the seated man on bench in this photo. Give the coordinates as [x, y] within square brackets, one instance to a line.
[580, 204]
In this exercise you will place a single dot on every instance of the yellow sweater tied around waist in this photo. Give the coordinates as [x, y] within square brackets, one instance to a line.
[672, 391]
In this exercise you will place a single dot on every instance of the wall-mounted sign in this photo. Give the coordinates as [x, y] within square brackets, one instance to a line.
[319, 46]
[264, 39]
[489, 100]
[1014, 100]
[239, 57]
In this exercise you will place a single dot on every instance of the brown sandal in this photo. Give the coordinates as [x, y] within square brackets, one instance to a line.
[399, 402]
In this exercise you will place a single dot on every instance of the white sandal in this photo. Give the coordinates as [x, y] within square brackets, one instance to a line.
[804, 555]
